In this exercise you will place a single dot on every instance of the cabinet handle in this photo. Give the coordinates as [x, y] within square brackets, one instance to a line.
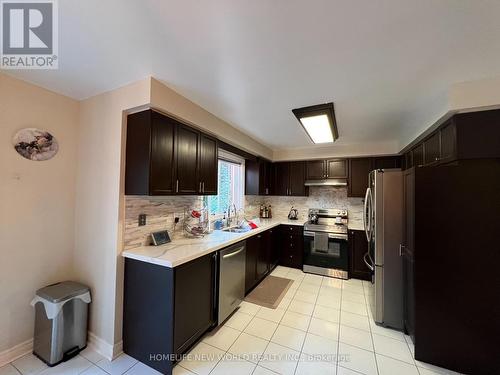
[401, 247]
[267, 191]
[177, 186]
[200, 190]
[203, 186]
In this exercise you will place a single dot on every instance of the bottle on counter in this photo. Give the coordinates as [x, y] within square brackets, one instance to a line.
[269, 212]
[261, 211]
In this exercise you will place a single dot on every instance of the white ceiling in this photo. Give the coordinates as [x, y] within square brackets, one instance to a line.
[387, 64]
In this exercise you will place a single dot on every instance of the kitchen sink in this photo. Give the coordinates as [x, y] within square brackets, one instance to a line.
[236, 230]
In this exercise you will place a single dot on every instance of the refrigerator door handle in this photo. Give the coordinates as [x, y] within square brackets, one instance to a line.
[366, 262]
[367, 215]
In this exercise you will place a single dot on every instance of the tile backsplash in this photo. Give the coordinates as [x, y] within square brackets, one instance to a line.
[319, 197]
[160, 211]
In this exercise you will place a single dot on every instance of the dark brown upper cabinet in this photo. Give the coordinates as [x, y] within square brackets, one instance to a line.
[336, 168]
[432, 149]
[473, 135]
[187, 144]
[387, 162]
[258, 177]
[166, 157]
[408, 160]
[315, 170]
[418, 155]
[208, 165]
[322, 169]
[290, 178]
[359, 169]
[149, 159]
[448, 140]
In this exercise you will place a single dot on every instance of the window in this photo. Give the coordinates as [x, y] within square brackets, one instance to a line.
[231, 186]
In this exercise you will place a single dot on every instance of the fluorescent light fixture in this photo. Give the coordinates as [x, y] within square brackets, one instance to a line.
[319, 122]
[318, 128]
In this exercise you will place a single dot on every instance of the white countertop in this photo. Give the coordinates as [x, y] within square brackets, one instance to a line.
[183, 250]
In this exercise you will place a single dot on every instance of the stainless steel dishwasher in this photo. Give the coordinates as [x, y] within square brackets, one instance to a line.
[231, 279]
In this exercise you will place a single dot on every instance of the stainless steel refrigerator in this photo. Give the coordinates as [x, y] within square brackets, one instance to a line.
[383, 221]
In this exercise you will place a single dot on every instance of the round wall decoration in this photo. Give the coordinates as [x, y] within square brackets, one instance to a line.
[35, 144]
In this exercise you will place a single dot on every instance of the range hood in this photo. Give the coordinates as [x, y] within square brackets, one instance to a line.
[327, 182]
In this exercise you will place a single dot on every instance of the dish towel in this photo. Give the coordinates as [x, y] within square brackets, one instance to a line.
[321, 242]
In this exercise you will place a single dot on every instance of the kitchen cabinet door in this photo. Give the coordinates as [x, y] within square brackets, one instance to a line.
[448, 137]
[431, 149]
[162, 155]
[149, 158]
[193, 301]
[282, 178]
[267, 186]
[187, 181]
[292, 248]
[336, 168]
[418, 155]
[387, 162]
[358, 246]
[273, 245]
[359, 169]
[297, 177]
[262, 266]
[252, 256]
[258, 177]
[408, 248]
[408, 160]
[315, 170]
[208, 165]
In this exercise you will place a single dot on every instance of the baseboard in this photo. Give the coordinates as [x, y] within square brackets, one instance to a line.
[108, 351]
[16, 352]
[102, 347]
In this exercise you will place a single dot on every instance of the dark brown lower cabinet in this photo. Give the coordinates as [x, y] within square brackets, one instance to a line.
[292, 246]
[272, 242]
[257, 259]
[166, 310]
[358, 246]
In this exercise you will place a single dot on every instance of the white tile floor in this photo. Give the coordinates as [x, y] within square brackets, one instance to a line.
[319, 321]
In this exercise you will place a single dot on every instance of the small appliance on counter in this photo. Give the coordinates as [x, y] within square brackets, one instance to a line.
[293, 214]
[265, 212]
[325, 243]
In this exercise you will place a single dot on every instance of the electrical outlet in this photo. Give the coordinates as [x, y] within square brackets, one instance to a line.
[142, 220]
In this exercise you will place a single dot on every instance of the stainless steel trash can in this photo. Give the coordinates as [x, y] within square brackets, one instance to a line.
[61, 312]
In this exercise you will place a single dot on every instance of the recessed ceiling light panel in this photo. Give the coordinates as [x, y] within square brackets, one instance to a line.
[319, 122]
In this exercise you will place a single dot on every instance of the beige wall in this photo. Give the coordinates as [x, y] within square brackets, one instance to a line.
[99, 204]
[37, 202]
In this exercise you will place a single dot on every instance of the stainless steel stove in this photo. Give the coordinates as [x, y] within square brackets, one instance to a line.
[325, 243]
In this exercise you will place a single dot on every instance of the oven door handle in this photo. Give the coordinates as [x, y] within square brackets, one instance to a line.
[309, 234]
[366, 262]
[337, 236]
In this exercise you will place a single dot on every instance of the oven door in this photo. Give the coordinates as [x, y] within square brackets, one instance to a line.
[326, 250]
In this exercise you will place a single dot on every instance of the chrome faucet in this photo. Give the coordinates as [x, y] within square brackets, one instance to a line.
[229, 219]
